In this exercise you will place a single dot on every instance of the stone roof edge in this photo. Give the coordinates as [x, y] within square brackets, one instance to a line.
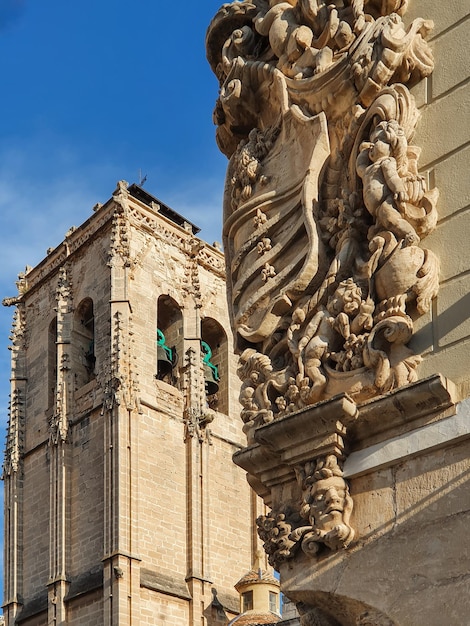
[208, 256]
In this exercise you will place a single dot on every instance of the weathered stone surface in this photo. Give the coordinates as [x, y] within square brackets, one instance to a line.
[324, 206]
[453, 61]
[124, 505]
[454, 106]
[454, 188]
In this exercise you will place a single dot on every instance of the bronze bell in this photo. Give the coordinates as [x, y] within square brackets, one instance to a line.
[164, 364]
[211, 373]
[166, 357]
[212, 386]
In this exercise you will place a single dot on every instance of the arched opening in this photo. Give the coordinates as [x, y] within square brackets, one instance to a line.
[168, 339]
[51, 362]
[83, 343]
[215, 362]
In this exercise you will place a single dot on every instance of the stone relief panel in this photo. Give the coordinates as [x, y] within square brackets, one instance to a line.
[324, 208]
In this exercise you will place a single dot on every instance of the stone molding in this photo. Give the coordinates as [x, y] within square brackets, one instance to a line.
[291, 457]
[141, 216]
[437, 434]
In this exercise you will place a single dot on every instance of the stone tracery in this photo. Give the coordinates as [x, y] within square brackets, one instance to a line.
[324, 209]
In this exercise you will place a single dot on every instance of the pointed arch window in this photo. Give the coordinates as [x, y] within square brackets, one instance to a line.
[214, 353]
[83, 339]
[168, 339]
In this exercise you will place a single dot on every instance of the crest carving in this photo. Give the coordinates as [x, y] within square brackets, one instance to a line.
[325, 210]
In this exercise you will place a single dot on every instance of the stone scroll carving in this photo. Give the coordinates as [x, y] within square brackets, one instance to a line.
[324, 206]
[322, 520]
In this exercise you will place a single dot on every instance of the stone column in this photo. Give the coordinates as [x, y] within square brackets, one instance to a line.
[13, 471]
[60, 457]
[120, 409]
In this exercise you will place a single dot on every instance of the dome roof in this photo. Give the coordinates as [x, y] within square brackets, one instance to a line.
[256, 576]
[254, 618]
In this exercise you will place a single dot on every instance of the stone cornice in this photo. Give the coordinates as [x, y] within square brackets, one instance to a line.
[339, 426]
[142, 217]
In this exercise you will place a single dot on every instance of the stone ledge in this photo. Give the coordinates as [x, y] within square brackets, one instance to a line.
[430, 437]
[166, 584]
[34, 607]
[85, 583]
[402, 411]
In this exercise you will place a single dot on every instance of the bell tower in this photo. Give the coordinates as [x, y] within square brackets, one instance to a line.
[122, 505]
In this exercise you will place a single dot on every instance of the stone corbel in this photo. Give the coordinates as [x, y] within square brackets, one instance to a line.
[284, 444]
[300, 464]
[296, 466]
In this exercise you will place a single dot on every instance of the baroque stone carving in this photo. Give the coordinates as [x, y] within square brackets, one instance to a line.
[326, 506]
[324, 206]
[274, 530]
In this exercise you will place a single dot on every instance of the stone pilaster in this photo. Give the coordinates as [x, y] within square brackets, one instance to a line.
[13, 470]
[120, 406]
[197, 418]
[60, 456]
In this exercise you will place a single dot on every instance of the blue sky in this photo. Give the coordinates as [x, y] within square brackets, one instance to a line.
[93, 92]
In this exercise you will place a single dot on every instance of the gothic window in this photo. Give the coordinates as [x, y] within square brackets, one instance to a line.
[51, 362]
[168, 338]
[214, 354]
[83, 340]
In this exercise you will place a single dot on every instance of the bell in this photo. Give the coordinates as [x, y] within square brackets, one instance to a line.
[212, 386]
[164, 364]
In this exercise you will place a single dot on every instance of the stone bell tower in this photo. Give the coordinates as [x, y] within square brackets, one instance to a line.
[122, 505]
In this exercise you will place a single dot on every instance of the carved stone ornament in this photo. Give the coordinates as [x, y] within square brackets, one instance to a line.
[321, 521]
[326, 505]
[324, 208]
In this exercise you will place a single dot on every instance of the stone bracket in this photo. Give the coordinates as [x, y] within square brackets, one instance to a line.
[337, 427]
[300, 437]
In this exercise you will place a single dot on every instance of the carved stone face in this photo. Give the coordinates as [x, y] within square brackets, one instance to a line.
[347, 298]
[380, 147]
[328, 500]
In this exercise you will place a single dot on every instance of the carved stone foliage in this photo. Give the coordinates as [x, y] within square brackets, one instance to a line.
[324, 207]
[15, 433]
[275, 530]
[197, 415]
[321, 520]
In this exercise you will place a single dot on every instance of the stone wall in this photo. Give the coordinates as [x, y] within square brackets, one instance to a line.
[443, 133]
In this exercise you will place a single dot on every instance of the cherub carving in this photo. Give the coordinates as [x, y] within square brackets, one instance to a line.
[317, 339]
[345, 316]
[382, 165]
